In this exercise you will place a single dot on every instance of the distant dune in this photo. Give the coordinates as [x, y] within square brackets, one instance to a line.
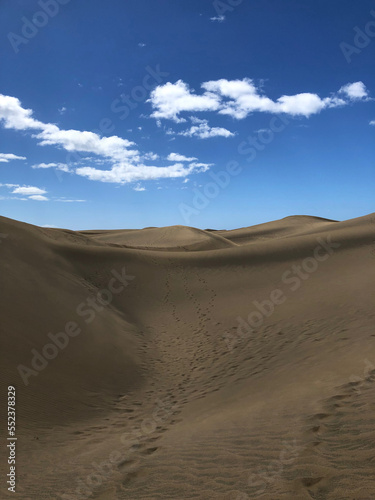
[163, 238]
[177, 363]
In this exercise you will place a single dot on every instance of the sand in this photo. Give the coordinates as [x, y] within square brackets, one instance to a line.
[212, 364]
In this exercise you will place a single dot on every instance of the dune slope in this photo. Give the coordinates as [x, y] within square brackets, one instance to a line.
[192, 364]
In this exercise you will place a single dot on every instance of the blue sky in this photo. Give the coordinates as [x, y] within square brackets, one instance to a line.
[214, 114]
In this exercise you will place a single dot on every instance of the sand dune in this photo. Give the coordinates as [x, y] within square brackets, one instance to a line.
[284, 227]
[163, 238]
[176, 363]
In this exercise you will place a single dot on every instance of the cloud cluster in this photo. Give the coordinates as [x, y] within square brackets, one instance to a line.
[239, 98]
[126, 163]
[15, 117]
[58, 166]
[118, 160]
[202, 130]
[31, 192]
[25, 193]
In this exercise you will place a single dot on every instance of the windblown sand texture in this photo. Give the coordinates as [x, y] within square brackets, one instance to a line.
[165, 390]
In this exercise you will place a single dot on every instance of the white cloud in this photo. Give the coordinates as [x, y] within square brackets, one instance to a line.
[170, 99]
[6, 157]
[245, 98]
[151, 156]
[38, 197]
[218, 19]
[14, 116]
[59, 166]
[204, 131]
[178, 157]
[127, 163]
[372, 122]
[29, 190]
[141, 44]
[138, 187]
[112, 147]
[239, 98]
[231, 88]
[64, 200]
[125, 172]
[203, 166]
[62, 110]
[305, 104]
[354, 91]
[33, 193]
[195, 119]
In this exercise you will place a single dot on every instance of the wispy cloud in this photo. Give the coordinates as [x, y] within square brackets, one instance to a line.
[178, 157]
[218, 19]
[58, 166]
[123, 173]
[25, 193]
[65, 200]
[38, 197]
[151, 156]
[202, 130]
[29, 190]
[6, 157]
